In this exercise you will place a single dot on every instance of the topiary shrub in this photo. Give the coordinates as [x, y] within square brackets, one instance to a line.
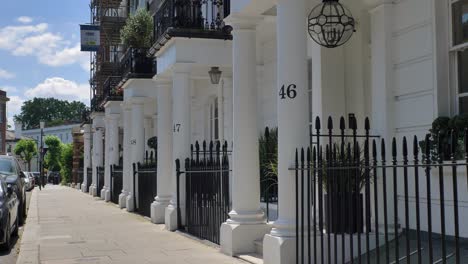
[138, 30]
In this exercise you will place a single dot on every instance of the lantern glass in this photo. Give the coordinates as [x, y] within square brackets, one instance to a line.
[42, 124]
[331, 24]
[215, 75]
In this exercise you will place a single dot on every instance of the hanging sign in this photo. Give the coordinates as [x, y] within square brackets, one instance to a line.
[90, 37]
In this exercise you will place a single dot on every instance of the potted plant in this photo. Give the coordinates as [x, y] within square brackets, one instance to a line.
[343, 191]
[137, 34]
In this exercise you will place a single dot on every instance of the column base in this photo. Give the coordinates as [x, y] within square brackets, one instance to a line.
[158, 211]
[78, 186]
[92, 190]
[83, 188]
[107, 195]
[102, 194]
[130, 203]
[170, 219]
[123, 200]
[279, 250]
[237, 238]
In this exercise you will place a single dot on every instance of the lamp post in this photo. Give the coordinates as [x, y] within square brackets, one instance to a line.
[41, 166]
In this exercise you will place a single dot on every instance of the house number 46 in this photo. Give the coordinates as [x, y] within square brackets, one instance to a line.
[289, 91]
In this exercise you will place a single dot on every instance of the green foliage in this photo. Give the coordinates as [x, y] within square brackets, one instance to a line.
[268, 151]
[138, 30]
[440, 135]
[54, 152]
[50, 110]
[26, 149]
[66, 160]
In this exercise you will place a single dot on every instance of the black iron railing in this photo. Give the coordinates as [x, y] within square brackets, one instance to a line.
[112, 89]
[190, 18]
[89, 177]
[135, 64]
[354, 203]
[96, 103]
[146, 175]
[206, 191]
[116, 182]
[99, 180]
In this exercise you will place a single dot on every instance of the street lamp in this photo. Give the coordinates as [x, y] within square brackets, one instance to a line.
[41, 166]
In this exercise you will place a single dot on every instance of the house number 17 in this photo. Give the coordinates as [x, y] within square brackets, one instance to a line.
[176, 127]
[288, 92]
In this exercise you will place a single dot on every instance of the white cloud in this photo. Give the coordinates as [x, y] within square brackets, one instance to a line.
[8, 89]
[6, 75]
[13, 108]
[49, 48]
[24, 19]
[61, 89]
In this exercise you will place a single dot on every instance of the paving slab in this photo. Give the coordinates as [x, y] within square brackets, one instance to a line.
[66, 226]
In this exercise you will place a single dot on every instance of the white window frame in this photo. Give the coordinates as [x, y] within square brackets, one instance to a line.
[453, 56]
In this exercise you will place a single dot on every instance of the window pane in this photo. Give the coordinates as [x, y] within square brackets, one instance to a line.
[463, 71]
[463, 105]
[460, 22]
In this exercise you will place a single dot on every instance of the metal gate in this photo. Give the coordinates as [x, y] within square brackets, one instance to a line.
[89, 177]
[206, 191]
[147, 188]
[355, 203]
[116, 182]
[100, 180]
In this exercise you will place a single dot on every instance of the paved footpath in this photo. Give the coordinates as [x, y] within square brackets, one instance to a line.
[67, 226]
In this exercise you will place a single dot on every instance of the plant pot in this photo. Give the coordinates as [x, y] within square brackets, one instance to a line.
[345, 209]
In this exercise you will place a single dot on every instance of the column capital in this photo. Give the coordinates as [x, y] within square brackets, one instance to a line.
[243, 22]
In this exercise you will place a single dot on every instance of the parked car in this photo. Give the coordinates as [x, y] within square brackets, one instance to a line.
[11, 171]
[9, 219]
[36, 176]
[27, 182]
[32, 179]
[54, 177]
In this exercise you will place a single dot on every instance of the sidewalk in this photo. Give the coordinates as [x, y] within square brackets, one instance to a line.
[67, 226]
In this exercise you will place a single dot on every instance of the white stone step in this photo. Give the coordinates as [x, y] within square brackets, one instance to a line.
[252, 258]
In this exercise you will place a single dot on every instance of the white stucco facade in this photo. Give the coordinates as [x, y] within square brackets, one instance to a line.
[396, 69]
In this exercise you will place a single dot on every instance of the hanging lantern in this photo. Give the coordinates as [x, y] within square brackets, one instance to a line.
[331, 24]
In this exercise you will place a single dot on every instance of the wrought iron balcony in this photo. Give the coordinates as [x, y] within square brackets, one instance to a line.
[112, 90]
[136, 65]
[190, 19]
[96, 103]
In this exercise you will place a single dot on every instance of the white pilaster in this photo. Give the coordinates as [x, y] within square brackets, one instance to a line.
[138, 146]
[87, 156]
[181, 112]
[112, 158]
[279, 245]
[127, 164]
[102, 192]
[98, 150]
[164, 133]
[247, 222]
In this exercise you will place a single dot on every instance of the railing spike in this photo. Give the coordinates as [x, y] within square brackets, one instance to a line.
[427, 146]
[317, 123]
[415, 146]
[374, 149]
[394, 148]
[367, 123]
[454, 138]
[405, 148]
[330, 123]
[342, 123]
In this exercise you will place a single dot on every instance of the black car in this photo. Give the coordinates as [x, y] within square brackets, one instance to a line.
[11, 171]
[9, 220]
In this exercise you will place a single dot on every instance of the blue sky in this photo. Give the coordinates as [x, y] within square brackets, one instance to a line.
[39, 51]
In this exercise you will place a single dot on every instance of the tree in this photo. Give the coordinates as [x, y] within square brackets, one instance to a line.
[54, 151]
[52, 111]
[66, 160]
[26, 149]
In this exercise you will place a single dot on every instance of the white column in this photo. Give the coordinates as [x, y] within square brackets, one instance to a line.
[102, 192]
[112, 157]
[247, 221]
[165, 162]
[181, 111]
[87, 156]
[98, 157]
[138, 146]
[279, 245]
[127, 164]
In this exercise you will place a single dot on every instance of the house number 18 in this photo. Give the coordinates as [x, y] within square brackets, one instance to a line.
[289, 91]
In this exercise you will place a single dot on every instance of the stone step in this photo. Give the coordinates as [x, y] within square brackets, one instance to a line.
[253, 258]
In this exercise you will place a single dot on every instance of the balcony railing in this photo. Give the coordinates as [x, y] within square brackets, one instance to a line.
[96, 103]
[136, 65]
[191, 19]
[112, 89]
